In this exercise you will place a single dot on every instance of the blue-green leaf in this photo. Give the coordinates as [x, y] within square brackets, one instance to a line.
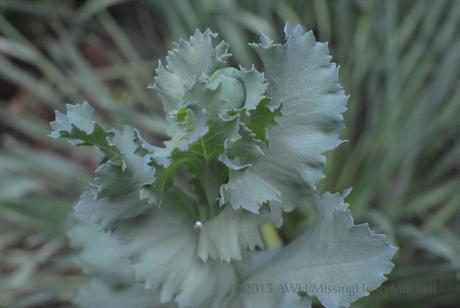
[97, 294]
[188, 125]
[228, 234]
[162, 246]
[105, 212]
[247, 190]
[79, 127]
[334, 253]
[129, 172]
[112, 283]
[302, 78]
[99, 254]
[241, 149]
[185, 63]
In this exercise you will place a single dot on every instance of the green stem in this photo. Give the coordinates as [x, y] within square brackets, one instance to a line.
[209, 182]
[270, 235]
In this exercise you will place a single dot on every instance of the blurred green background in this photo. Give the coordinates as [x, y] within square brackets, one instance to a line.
[400, 62]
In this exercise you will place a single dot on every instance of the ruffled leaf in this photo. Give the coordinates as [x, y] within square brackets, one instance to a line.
[229, 233]
[255, 87]
[246, 145]
[112, 284]
[189, 60]
[301, 78]
[200, 158]
[188, 125]
[241, 149]
[105, 212]
[247, 190]
[333, 253]
[116, 191]
[79, 127]
[129, 173]
[162, 246]
[99, 254]
[228, 90]
[244, 189]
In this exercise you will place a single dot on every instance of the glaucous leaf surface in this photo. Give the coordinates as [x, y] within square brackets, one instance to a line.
[162, 246]
[79, 127]
[335, 254]
[112, 284]
[303, 80]
[180, 221]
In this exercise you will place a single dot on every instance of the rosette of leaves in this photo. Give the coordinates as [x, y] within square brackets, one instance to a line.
[177, 225]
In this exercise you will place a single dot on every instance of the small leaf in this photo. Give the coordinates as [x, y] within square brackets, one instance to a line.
[241, 149]
[188, 125]
[80, 128]
[226, 235]
[187, 61]
[248, 191]
[116, 178]
[228, 90]
[255, 87]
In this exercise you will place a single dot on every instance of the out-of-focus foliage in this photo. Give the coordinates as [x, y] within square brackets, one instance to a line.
[399, 62]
